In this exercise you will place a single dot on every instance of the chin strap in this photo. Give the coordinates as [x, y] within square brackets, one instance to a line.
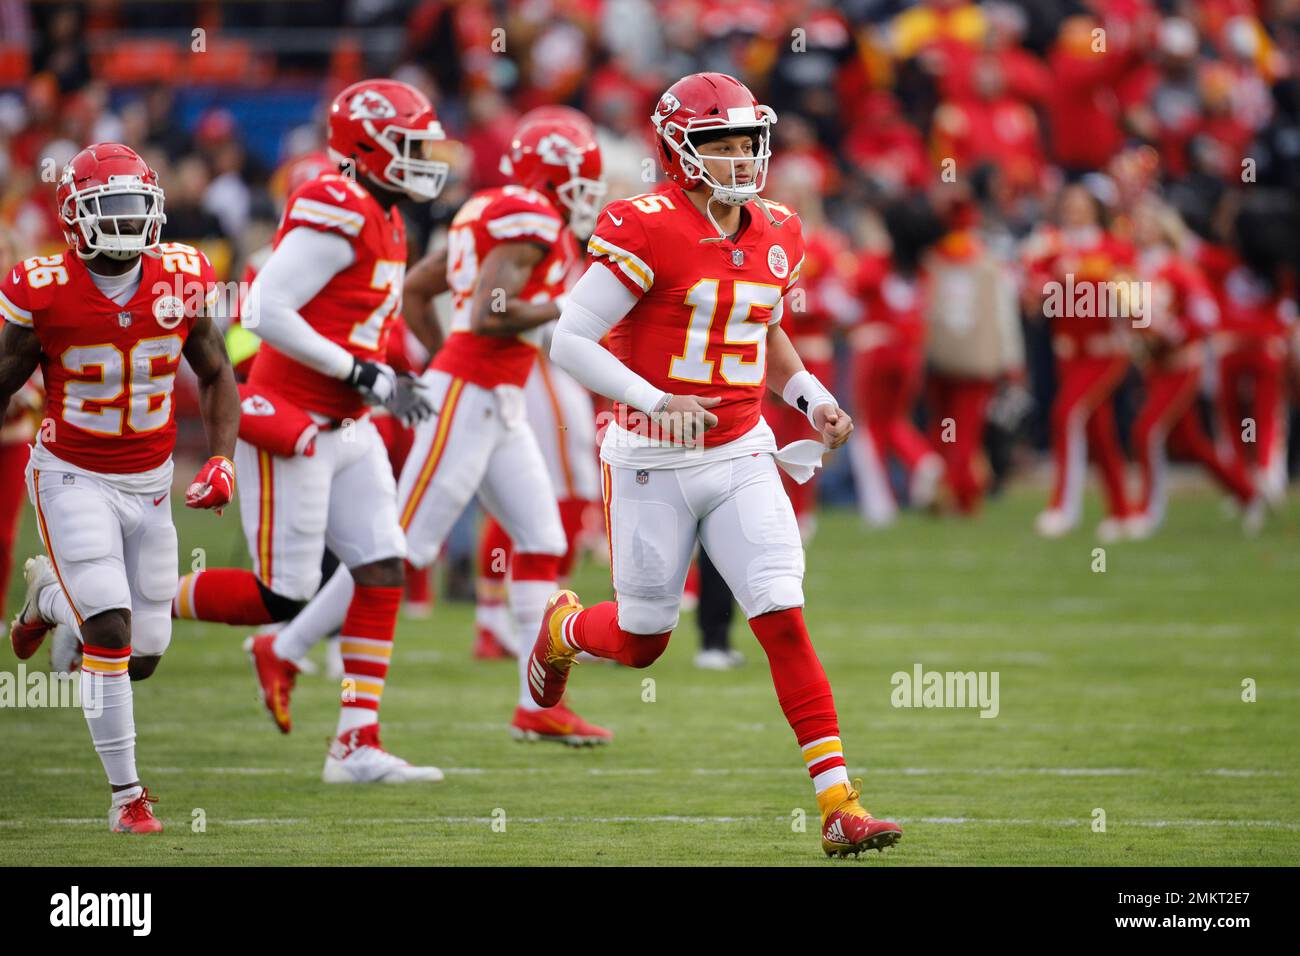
[762, 204]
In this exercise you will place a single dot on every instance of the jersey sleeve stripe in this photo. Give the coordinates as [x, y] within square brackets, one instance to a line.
[323, 214]
[14, 314]
[631, 266]
[522, 224]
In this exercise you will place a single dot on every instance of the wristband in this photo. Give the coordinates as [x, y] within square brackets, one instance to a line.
[805, 393]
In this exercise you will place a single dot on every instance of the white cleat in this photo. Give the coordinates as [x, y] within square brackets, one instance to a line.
[1053, 524]
[65, 650]
[1138, 527]
[715, 659]
[358, 757]
[924, 486]
[29, 629]
[1111, 530]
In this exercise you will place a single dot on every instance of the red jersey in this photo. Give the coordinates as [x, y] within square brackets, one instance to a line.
[489, 219]
[1183, 309]
[1085, 277]
[109, 368]
[700, 325]
[357, 307]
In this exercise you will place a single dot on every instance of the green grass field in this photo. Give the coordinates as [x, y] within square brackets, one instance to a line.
[1119, 690]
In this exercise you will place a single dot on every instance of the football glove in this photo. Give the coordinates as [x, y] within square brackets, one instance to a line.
[376, 382]
[410, 402]
[213, 487]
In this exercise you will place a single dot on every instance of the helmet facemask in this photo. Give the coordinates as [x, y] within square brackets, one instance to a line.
[755, 122]
[413, 169]
[120, 219]
[583, 198]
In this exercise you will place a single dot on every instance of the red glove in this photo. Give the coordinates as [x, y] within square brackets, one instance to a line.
[214, 486]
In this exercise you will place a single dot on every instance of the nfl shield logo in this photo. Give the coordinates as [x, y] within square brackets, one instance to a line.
[737, 258]
[642, 476]
[124, 319]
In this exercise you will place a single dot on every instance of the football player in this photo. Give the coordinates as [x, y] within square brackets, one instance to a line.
[108, 324]
[324, 304]
[687, 282]
[509, 252]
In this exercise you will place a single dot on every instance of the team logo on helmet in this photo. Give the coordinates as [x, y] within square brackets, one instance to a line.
[370, 105]
[668, 104]
[169, 310]
[778, 262]
[555, 149]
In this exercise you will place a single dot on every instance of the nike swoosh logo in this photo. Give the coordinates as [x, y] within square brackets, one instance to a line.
[617, 221]
[339, 196]
[159, 500]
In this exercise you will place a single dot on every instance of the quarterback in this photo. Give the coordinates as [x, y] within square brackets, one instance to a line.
[108, 323]
[688, 282]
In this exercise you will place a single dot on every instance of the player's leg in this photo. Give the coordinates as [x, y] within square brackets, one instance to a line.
[924, 465]
[282, 510]
[369, 543]
[753, 538]
[1104, 446]
[491, 610]
[149, 555]
[650, 516]
[517, 491]
[1189, 437]
[80, 522]
[1271, 415]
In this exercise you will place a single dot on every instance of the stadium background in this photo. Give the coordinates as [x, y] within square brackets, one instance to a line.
[872, 97]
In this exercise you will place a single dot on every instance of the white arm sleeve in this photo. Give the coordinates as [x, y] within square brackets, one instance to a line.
[301, 265]
[595, 305]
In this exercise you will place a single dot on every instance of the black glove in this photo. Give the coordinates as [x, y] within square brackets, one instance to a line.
[376, 382]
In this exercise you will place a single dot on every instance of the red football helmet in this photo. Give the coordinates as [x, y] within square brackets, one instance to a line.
[554, 151]
[109, 202]
[706, 106]
[387, 131]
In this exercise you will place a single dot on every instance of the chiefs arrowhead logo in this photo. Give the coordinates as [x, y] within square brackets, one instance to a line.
[369, 104]
[668, 104]
[256, 405]
[557, 150]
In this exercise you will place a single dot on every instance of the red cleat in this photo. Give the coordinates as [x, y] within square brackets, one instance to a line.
[28, 630]
[557, 723]
[847, 827]
[548, 668]
[487, 647]
[136, 816]
[275, 678]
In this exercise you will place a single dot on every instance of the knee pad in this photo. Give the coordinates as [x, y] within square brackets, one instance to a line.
[151, 630]
[647, 617]
[156, 572]
[280, 608]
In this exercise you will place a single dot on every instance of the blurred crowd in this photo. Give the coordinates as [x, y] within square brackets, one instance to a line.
[947, 157]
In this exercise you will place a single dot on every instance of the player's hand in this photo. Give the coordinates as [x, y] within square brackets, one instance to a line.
[213, 487]
[834, 423]
[410, 403]
[376, 382]
[687, 417]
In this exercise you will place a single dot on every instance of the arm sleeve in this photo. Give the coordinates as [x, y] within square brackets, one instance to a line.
[304, 261]
[595, 305]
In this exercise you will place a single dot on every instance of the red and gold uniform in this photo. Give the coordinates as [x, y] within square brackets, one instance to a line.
[359, 305]
[100, 471]
[700, 323]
